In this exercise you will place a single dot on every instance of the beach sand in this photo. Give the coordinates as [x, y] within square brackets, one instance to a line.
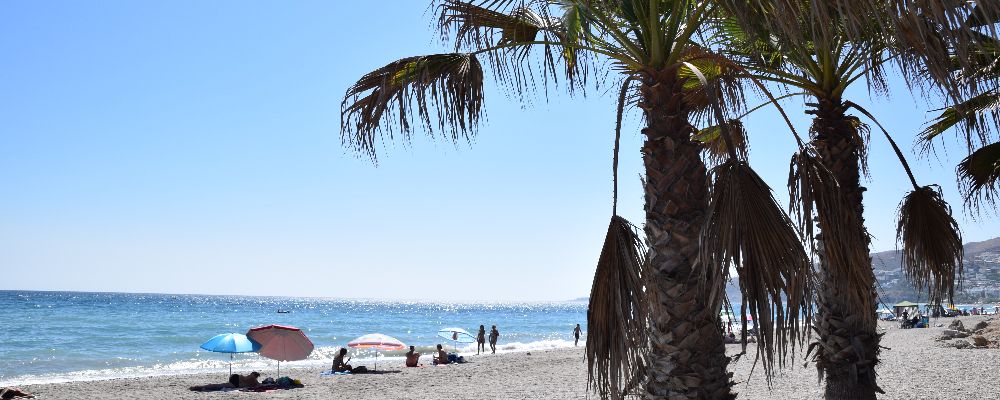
[915, 367]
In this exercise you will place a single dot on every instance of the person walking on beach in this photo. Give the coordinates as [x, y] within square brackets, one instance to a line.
[494, 335]
[481, 340]
[576, 335]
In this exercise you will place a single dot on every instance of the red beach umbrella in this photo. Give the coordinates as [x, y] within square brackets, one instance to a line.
[281, 343]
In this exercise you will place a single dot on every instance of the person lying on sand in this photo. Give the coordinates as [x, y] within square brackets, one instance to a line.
[11, 393]
[413, 358]
[235, 381]
[442, 357]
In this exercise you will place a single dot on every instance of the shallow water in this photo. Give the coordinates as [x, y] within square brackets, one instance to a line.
[68, 336]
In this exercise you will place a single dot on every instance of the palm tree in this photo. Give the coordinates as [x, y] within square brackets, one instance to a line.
[677, 350]
[782, 42]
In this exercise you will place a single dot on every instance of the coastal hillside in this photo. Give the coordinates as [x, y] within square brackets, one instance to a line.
[981, 281]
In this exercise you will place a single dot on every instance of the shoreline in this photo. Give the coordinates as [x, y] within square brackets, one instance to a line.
[915, 365]
[255, 362]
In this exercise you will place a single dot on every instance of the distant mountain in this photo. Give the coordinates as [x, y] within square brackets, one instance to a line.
[890, 260]
[981, 274]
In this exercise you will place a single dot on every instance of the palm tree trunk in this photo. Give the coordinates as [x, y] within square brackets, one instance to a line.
[687, 359]
[848, 343]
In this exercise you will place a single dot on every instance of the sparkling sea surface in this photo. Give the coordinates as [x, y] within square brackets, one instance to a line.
[71, 336]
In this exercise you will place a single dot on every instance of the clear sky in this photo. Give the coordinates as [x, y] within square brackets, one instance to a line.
[193, 147]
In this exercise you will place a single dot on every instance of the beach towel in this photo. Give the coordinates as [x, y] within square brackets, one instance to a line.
[328, 373]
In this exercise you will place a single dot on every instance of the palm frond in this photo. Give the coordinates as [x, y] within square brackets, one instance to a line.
[979, 177]
[746, 229]
[970, 115]
[715, 148]
[937, 37]
[440, 91]
[931, 243]
[475, 26]
[720, 74]
[618, 315]
[509, 32]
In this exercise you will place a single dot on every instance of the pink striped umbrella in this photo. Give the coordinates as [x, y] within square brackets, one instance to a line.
[282, 343]
[376, 341]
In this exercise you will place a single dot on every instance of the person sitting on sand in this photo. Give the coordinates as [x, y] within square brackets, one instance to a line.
[235, 381]
[11, 393]
[250, 381]
[442, 357]
[339, 365]
[413, 358]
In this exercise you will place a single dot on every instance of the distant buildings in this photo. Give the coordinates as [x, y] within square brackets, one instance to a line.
[981, 281]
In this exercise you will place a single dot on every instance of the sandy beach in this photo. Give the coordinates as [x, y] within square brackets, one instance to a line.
[914, 366]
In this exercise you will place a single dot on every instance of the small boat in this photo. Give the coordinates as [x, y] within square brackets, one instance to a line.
[284, 311]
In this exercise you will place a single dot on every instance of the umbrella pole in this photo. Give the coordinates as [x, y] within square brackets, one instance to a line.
[279, 369]
[230, 363]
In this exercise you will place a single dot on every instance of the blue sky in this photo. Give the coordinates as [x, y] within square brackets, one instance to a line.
[193, 147]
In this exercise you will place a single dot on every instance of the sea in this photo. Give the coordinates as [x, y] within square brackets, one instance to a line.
[50, 337]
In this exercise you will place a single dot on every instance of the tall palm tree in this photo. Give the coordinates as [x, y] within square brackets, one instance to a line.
[677, 351]
[784, 42]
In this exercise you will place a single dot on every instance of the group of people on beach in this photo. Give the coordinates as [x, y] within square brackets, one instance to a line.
[413, 357]
[481, 339]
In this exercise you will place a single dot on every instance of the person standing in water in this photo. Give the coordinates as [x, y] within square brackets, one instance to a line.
[494, 335]
[481, 340]
[576, 335]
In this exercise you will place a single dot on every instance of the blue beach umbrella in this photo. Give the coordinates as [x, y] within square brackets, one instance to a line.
[231, 343]
[457, 335]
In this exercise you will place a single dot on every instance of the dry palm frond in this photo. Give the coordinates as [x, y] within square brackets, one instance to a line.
[507, 31]
[746, 229]
[815, 193]
[715, 147]
[475, 25]
[934, 36]
[862, 136]
[979, 176]
[450, 85]
[931, 242]
[618, 315]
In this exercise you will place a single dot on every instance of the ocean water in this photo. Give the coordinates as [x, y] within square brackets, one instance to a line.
[71, 336]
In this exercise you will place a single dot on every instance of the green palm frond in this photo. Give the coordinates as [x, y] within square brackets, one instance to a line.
[979, 176]
[931, 243]
[440, 91]
[970, 114]
[746, 229]
[618, 314]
